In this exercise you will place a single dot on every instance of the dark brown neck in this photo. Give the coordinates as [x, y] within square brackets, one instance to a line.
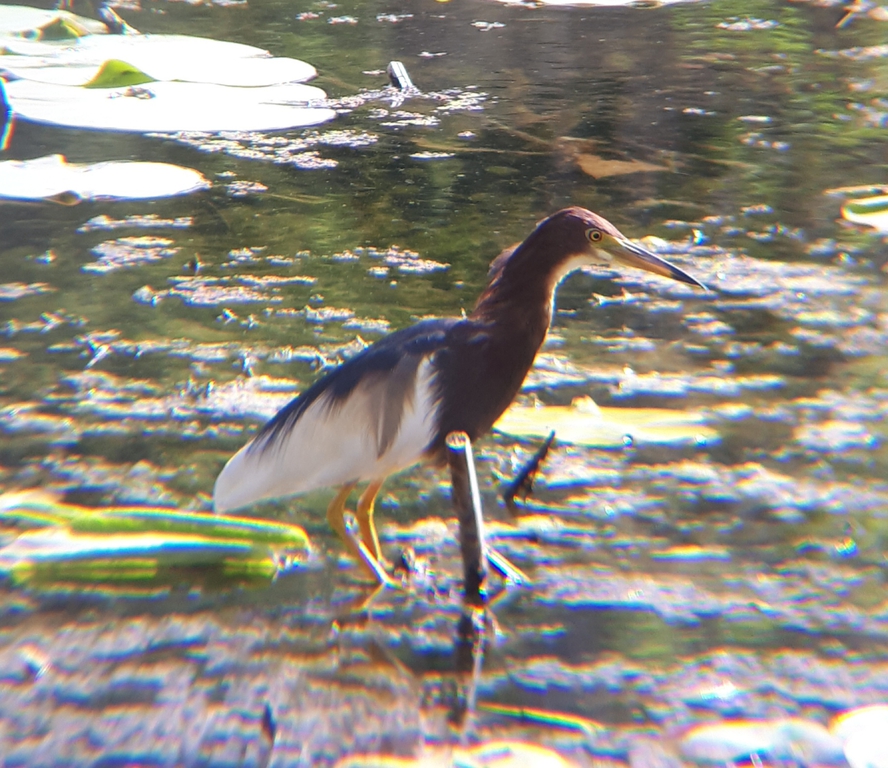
[515, 307]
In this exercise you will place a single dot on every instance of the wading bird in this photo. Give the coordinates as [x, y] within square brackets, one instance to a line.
[393, 404]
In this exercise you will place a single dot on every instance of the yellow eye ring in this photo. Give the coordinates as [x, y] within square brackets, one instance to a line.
[593, 234]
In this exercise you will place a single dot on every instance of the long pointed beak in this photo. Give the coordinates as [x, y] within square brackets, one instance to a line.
[634, 255]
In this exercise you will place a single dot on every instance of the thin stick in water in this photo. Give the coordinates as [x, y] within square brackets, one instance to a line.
[467, 501]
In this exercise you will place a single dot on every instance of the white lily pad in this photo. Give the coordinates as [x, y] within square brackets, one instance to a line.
[24, 21]
[169, 106]
[490, 754]
[149, 83]
[52, 177]
[871, 211]
[862, 731]
[779, 740]
[160, 57]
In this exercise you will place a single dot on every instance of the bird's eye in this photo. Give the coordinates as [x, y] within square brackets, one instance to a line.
[593, 234]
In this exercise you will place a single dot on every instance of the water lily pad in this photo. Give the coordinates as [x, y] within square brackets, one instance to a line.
[871, 211]
[52, 177]
[491, 754]
[32, 50]
[862, 731]
[25, 22]
[789, 739]
[196, 84]
[584, 423]
[115, 73]
[169, 106]
[159, 57]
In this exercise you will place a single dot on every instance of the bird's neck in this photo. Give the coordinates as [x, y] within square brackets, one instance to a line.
[521, 310]
[520, 297]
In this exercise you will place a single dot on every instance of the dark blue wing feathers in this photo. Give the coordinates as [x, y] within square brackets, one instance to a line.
[421, 339]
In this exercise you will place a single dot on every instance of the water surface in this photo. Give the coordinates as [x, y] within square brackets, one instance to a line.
[734, 577]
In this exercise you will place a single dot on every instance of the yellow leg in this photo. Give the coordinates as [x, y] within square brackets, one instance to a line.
[336, 511]
[368, 558]
[364, 514]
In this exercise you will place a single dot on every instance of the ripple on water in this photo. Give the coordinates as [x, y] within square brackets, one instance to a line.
[208, 292]
[835, 436]
[753, 484]
[126, 252]
[105, 223]
[13, 291]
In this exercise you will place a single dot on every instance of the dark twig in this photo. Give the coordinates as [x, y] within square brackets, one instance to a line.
[522, 485]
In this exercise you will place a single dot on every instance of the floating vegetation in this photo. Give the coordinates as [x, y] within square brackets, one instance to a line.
[169, 106]
[870, 211]
[777, 740]
[584, 423]
[861, 733]
[148, 83]
[298, 151]
[119, 544]
[301, 151]
[680, 385]
[598, 167]
[54, 179]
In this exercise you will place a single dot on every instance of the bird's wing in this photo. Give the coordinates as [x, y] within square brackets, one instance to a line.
[393, 357]
[373, 415]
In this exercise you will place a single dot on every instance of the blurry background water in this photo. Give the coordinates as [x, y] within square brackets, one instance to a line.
[738, 576]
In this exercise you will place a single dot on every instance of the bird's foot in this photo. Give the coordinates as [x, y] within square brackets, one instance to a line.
[372, 567]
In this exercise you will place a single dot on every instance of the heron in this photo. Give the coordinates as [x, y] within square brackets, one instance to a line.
[393, 404]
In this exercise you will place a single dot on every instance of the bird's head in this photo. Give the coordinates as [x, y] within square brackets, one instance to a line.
[575, 237]
[568, 240]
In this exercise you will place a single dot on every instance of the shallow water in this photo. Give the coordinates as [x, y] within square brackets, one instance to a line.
[672, 585]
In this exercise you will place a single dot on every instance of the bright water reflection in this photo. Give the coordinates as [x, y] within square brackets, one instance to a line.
[736, 578]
